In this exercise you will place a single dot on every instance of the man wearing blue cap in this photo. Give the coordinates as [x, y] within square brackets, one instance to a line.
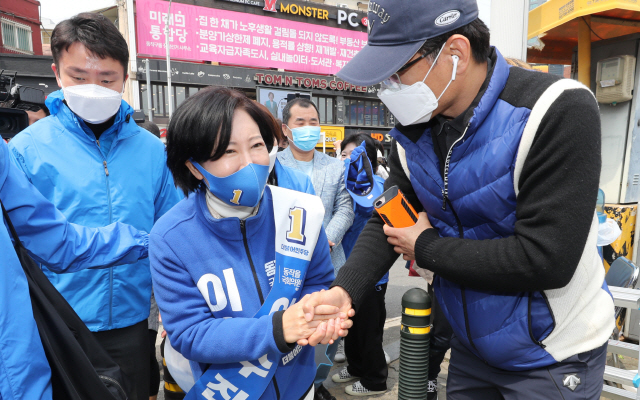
[505, 164]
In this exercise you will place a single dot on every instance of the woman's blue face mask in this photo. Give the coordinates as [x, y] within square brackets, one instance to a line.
[242, 188]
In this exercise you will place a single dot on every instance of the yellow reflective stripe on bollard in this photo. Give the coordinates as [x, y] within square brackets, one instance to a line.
[172, 387]
[412, 311]
[418, 331]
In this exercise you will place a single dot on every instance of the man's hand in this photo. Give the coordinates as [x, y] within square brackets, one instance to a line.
[404, 239]
[296, 327]
[331, 244]
[313, 310]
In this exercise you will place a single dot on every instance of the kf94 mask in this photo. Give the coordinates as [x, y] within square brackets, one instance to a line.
[413, 104]
[93, 103]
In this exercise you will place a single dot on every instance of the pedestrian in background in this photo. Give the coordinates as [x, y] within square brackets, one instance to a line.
[97, 166]
[301, 125]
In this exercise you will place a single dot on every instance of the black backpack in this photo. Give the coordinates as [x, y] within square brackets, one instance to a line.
[80, 368]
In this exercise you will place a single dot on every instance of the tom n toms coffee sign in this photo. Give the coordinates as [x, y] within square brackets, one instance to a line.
[205, 75]
[307, 82]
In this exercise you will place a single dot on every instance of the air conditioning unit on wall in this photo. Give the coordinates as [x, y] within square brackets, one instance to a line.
[342, 5]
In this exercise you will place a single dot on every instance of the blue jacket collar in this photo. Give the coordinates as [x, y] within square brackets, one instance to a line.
[229, 228]
[75, 124]
[497, 83]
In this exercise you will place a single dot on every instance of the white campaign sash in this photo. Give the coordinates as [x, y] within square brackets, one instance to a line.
[298, 221]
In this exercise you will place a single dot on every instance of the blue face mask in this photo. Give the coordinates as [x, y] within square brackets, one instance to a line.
[242, 188]
[306, 137]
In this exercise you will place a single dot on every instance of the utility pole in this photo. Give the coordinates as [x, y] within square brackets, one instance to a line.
[167, 32]
[149, 104]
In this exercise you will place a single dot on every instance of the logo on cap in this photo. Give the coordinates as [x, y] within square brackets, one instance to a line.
[448, 18]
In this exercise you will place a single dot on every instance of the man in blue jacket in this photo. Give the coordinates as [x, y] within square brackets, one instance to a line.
[505, 162]
[64, 248]
[97, 166]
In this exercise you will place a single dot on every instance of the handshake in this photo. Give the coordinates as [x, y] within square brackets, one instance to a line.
[318, 318]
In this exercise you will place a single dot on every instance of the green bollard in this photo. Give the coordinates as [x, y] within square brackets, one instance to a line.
[414, 345]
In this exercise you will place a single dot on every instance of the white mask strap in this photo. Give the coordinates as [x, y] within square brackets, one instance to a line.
[453, 75]
[273, 155]
[434, 63]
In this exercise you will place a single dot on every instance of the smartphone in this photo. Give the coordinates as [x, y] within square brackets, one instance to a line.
[394, 209]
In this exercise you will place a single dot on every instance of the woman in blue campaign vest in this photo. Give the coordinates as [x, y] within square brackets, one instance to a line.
[231, 261]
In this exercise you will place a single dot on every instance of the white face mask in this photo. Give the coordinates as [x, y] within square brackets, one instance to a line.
[93, 103]
[416, 103]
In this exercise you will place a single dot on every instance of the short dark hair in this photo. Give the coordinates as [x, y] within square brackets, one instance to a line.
[477, 33]
[379, 146]
[200, 129]
[95, 32]
[151, 127]
[369, 144]
[299, 101]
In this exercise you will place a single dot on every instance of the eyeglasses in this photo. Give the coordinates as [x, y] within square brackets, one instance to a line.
[394, 81]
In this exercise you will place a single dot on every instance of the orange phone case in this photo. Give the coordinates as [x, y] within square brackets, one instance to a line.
[394, 209]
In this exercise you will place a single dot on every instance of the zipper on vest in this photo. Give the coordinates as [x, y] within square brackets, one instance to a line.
[466, 317]
[529, 324]
[445, 191]
[243, 228]
[455, 215]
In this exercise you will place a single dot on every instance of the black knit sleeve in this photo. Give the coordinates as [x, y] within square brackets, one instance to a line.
[372, 255]
[555, 209]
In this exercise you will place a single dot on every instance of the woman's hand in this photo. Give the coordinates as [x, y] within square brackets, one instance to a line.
[297, 329]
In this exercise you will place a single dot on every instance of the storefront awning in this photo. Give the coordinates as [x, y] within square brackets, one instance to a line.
[556, 24]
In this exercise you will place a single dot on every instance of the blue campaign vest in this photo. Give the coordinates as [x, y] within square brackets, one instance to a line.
[481, 192]
[298, 222]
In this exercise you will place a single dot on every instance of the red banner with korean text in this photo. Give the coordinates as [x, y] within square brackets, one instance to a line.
[229, 37]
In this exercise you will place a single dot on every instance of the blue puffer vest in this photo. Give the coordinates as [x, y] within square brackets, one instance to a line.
[503, 329]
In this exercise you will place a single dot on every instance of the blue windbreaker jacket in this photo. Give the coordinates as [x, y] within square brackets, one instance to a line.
[188, 243]
[123, 177]
[64, 247]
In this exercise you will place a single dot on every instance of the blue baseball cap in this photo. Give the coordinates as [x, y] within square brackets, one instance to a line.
[397, 30]
[359, 178]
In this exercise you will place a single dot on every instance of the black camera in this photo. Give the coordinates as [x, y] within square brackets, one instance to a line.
[15, 101]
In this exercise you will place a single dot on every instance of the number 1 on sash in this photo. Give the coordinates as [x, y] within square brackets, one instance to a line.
[297, 222]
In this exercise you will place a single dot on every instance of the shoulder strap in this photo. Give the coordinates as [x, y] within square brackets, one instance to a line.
[402, 155]
[538, 112]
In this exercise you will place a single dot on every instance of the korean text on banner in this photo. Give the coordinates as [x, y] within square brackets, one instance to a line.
[201, 33]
